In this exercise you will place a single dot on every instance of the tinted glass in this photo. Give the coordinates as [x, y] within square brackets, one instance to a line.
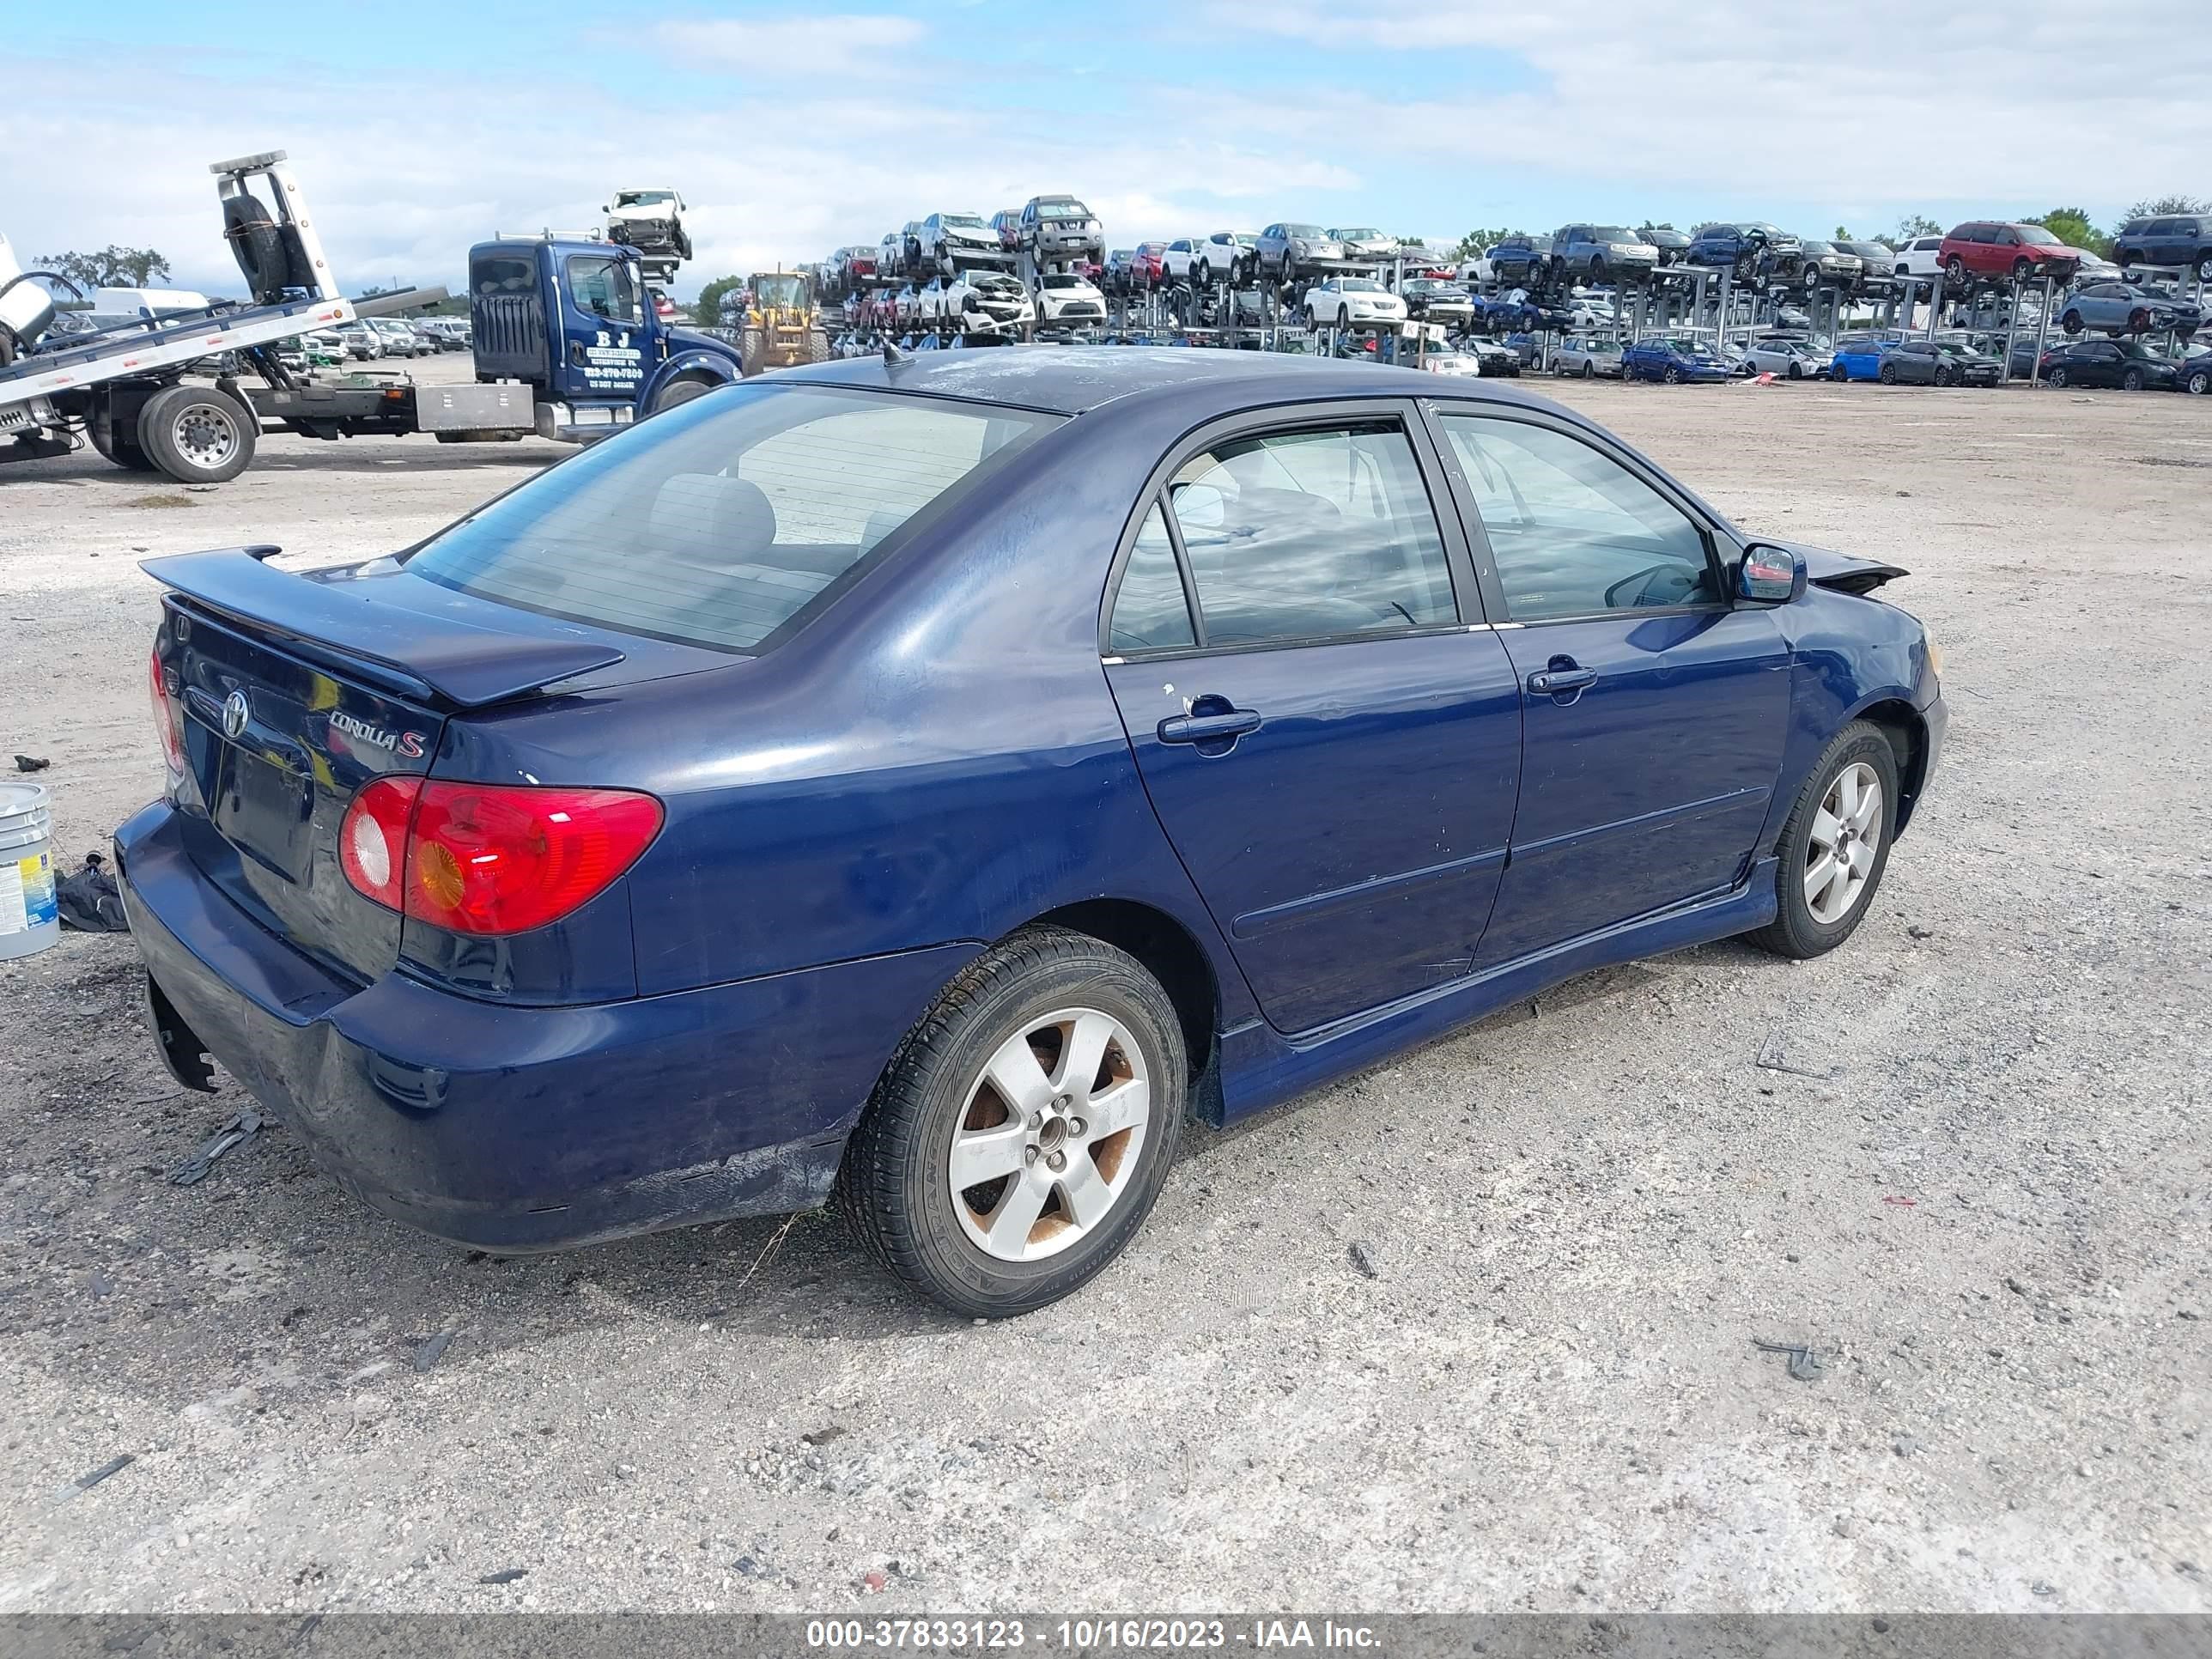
[1150, 610]
[502, 275]
[715, 523]
[1312, 535]
[1572, 531]
[602, 287]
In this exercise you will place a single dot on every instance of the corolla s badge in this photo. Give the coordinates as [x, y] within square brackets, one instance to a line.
[236, 711]
[406, 744]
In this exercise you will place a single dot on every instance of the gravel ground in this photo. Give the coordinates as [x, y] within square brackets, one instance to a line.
[1475, 1330]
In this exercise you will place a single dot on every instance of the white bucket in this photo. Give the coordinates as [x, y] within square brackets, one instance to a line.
[29, 918]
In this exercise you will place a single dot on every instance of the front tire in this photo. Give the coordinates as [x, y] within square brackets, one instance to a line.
[1835, 847]
[677, 393]
[1049, 1081]
[2132, 380]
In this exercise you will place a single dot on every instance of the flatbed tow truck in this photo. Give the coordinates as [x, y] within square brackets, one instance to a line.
[566, 347]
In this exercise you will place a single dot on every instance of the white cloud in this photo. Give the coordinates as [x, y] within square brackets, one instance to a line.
[788, 49]
[1888, 103]
[1889, 107]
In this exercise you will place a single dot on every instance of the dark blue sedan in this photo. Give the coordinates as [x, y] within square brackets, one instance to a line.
[926, 783]
[1674, 359]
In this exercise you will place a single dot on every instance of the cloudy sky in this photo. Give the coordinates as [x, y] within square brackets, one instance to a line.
[419, 128]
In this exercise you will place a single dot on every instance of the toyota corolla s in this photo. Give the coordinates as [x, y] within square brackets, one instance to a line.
[925, 782]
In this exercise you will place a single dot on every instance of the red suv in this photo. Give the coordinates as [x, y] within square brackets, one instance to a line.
[1990, 250]
[1146, 269]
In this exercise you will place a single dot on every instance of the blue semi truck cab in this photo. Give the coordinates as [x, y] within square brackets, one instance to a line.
[569, 317]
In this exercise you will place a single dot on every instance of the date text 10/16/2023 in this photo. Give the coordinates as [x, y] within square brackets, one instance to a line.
[1091, 1635]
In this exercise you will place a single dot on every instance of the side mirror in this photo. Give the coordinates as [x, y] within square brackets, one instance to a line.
[1769, 575]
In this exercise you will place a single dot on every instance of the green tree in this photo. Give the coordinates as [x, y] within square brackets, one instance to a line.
[1471, 245]
[111, 267]
[2071, 226]
[1914, 225]
[707, 309]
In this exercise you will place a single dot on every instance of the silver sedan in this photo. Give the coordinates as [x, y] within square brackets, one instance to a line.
[1792, 359]
[1587, 359]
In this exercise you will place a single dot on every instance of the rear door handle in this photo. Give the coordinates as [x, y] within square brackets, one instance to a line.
[1209, 728]
[1552, 682]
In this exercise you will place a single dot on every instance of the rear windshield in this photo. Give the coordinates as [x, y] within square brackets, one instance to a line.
[718, 523]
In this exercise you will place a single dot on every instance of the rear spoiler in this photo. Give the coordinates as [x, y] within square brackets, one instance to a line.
[414, 654]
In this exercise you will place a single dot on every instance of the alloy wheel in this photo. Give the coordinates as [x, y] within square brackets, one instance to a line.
[1846, 834]
[207, 436]
[1049, 1135]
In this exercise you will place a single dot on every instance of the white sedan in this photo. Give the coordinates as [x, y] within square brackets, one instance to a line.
[1352, 302]
[983, 301]
[1445, 359]
[1064, 300]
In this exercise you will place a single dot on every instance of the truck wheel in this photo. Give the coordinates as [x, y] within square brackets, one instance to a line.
[679, 392]
[196, 435]
[119, 444]
[750, 350]
[818, 347]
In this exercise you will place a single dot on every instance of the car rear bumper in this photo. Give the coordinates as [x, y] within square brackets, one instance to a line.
[514, 1128]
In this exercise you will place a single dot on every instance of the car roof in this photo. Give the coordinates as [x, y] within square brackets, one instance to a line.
[1071, 379]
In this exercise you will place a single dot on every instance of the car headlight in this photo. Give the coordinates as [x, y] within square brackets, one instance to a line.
[1935, 655]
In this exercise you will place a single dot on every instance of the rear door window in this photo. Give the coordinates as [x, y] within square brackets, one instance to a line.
[720, 524]
[1312, 535]
[1150, 611]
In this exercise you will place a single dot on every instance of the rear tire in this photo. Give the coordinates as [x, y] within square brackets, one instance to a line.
[1816, 830]
[1888, 375]
[2055, 377]
[954, 1245]
[119, 444]
[197, 435]
[2198, 383]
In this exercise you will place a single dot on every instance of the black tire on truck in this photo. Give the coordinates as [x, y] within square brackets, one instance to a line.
[198, 434]
[119, 442]
[680, 392]
[818, 347]
[751, 348]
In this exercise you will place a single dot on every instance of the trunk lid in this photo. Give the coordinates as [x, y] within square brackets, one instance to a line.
[297, 690]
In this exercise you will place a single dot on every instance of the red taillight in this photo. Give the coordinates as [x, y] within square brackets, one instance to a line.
[169, 716]
[490, 858]
[372, 838]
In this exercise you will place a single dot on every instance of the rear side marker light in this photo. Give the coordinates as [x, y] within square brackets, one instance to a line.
[489, 859]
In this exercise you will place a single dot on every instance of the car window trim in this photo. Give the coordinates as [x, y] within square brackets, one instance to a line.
[1405, 413]
[1437, 411]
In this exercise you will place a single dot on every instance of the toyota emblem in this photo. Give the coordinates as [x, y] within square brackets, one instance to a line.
[236, 711]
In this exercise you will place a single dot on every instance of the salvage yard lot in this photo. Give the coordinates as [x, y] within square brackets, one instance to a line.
[1972, 1173]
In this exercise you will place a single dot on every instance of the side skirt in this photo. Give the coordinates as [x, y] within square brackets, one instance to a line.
[1260, 1067]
